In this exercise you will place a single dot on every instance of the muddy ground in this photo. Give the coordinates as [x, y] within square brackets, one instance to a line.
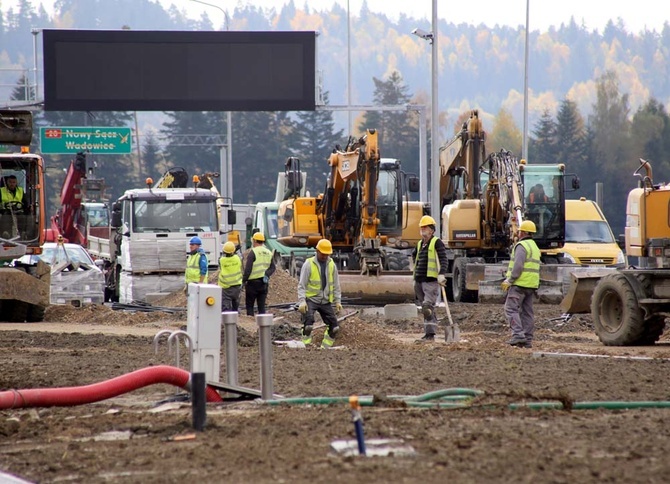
[131, 439]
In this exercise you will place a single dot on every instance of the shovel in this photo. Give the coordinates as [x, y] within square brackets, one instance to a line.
[452, 331]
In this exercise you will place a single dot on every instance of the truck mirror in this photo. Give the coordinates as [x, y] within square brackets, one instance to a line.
[413, 184]
[232, 217]
[248, 221]
[116, 207]
[575, 183]
[116, 219]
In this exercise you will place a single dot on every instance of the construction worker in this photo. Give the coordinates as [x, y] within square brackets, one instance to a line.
[430, 268]
[196, 264]
[318, 290]
[521, 282]
[230, 278]
[257, 271]
[12, 196]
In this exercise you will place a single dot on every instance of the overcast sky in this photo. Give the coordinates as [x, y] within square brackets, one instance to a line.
[636, 14]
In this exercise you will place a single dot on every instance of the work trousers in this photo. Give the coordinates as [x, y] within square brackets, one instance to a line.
[256, 291]
[519, 312]
[426, 294]
[325, 310]
[230, 298]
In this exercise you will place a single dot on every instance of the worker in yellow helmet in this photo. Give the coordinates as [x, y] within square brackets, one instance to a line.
[521, 282]
[319, 290]
[230, 278]
[259, 267]
[430, 269]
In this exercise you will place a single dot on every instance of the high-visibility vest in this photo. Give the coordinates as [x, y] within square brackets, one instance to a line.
[230, 271]
[261, 263]
[433, 268]
[530, 277]
[8, 196]
[193, 268]
[314, 284]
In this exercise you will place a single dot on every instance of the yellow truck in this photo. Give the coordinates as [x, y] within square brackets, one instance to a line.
[589, 240]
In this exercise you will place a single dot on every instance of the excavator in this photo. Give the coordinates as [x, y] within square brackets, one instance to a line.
[484, 199]
[361, 210]
[24, 287]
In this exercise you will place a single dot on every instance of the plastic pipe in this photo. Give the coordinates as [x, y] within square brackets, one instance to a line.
[70, 396]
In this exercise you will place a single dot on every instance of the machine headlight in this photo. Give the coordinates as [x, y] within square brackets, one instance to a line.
[621, 259]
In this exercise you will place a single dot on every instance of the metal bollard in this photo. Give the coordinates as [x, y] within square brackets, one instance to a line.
[230, 319]
[264, 322]
[199, 400]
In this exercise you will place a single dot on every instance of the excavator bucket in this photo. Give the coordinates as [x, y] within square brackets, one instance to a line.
[24, 296]
[582, 284]
[388, 288]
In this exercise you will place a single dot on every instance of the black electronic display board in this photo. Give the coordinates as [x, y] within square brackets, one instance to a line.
[126, 70]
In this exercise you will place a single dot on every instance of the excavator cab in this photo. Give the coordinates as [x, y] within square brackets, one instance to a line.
[544, 203]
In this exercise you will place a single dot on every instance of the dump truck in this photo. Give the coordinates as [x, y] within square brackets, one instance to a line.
[629, 305]
[484, 198]
[24, 288]
[147, 247]
[360, 211]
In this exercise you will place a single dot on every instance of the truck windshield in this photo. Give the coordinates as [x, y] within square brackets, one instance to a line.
[588, 231]
[272, 223]
[544, 202]
[387, 201]
[174, 216]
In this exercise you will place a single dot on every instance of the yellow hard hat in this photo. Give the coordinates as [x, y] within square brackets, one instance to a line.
[528, 226]
[426, 220]
[258, 237]
[324, 246]
[229, 248]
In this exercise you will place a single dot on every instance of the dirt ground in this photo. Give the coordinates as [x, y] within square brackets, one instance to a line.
[147, 435]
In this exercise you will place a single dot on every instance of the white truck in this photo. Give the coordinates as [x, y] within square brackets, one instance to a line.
[147, 247]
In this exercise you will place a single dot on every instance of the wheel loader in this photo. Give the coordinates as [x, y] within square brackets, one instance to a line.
[629, 305]
[24, 289]
[363, 212]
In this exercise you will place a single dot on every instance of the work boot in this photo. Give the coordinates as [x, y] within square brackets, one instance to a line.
[307, 335]
[519, 341]
[427, 338]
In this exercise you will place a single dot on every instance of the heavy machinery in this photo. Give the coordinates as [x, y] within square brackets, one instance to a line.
[290, 184]
[360, 211]
[629, 305]
[151, 227]
[483, 201]
[83, 208]
[24, 289]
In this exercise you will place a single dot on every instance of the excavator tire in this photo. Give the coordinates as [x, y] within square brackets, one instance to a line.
[617, 317]
[397, 261]
[459, 291]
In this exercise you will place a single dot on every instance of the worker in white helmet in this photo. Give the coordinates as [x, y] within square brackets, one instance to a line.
[319, 290]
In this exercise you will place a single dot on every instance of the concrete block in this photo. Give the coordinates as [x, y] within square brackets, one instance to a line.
[400, 311]
[371, 312]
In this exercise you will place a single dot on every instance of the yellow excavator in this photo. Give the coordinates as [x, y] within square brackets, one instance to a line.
[362, 211]
[484, 198]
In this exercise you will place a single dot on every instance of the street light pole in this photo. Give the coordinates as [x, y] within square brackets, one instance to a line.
[524, 148]
[435, 199]
[227, 180]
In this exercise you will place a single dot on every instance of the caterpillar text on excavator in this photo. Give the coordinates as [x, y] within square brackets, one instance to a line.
[24, 290]
[484, 199]
[363, 212]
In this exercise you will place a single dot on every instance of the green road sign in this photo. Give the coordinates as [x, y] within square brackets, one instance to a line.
[98, 140]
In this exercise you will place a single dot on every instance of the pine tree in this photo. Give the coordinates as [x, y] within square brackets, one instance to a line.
[542, 147]
[152, 159]
[571, 138]
[651, 137]
[23, 91]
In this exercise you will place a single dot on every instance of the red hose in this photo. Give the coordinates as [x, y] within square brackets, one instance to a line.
[70, 396]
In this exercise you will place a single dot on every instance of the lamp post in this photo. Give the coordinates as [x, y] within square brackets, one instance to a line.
[435, 207]
[524, 148]
[226, 181]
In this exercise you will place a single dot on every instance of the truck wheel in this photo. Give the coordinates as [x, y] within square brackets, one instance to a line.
[396, 261]
[460, 293]
[617, 317]
[295, 266]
